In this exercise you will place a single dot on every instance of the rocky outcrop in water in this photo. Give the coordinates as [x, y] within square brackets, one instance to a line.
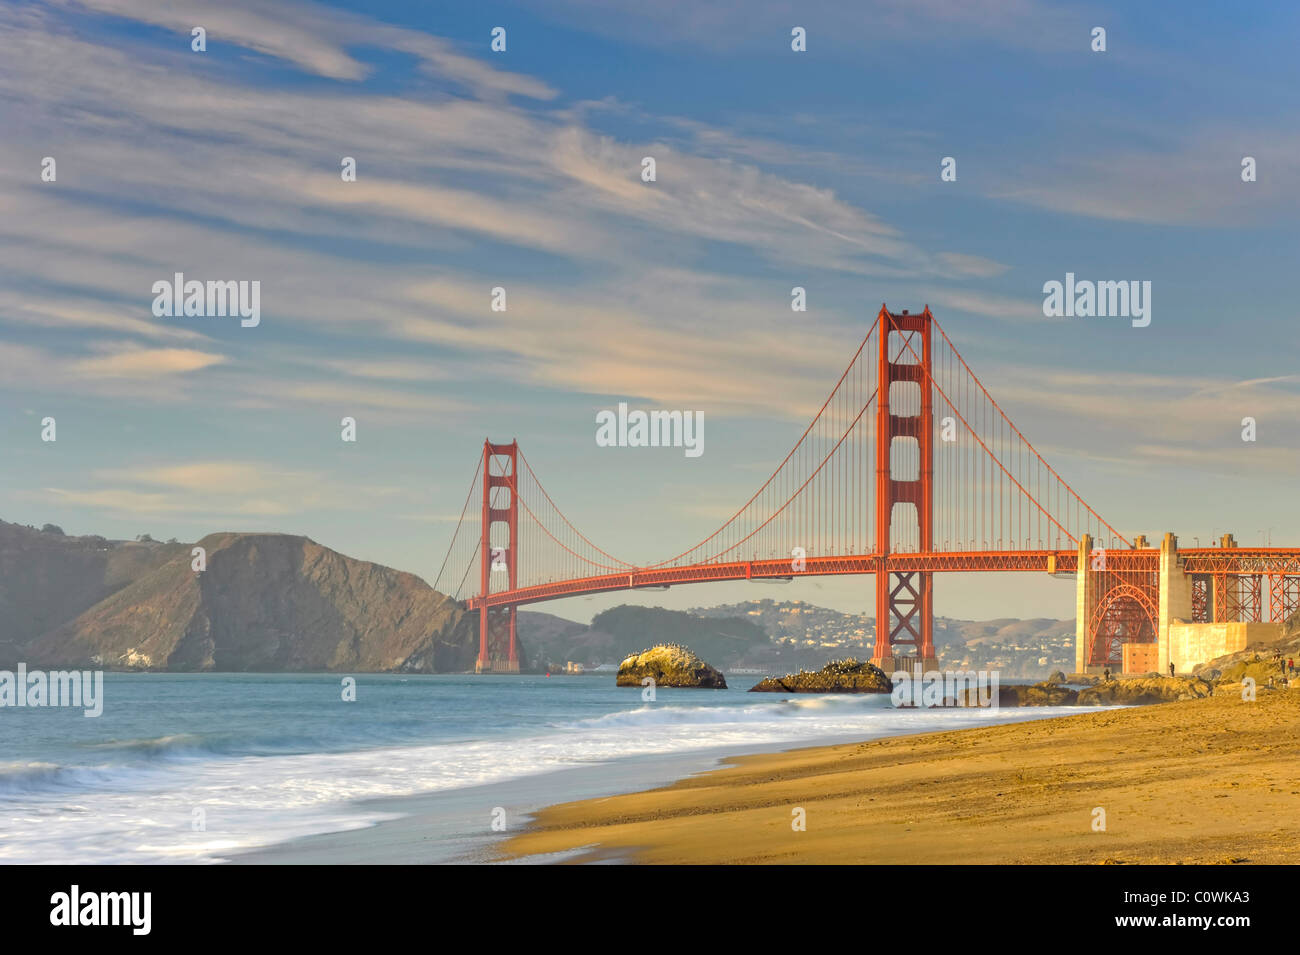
[670, 665]
[838, 676]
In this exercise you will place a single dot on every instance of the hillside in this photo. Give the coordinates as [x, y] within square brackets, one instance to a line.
[48, 578]
[265, 602]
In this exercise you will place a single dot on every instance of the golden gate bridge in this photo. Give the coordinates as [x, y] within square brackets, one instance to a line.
[909, 469]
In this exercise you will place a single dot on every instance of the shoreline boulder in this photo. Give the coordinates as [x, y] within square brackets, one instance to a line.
[670, 665]
[1047, 693]
[838, 676]
[1154, 689]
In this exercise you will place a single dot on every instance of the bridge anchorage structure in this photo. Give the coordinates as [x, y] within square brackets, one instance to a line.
[909, 469]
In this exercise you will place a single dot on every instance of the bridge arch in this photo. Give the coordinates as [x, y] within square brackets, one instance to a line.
[1126, 613]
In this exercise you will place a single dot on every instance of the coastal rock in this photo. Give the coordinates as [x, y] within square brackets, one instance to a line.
[1058, 676]
[1145, 690]
[670, 665]
[1259, 669]
[1047, 693]
[838, 676]
[1258, 658]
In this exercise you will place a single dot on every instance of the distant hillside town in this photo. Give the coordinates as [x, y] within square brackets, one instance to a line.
[769, 636]
[1018, 648]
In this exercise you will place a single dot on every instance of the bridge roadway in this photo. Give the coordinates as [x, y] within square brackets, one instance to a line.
[1210, 561]
[782, 569]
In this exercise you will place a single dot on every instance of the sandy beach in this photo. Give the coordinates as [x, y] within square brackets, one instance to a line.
[1214, 780]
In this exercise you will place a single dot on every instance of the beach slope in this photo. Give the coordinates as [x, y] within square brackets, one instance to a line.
[1213, 780]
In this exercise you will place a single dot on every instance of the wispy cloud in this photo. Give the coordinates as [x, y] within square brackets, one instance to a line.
[376, 292]
[1144, 421]
[211, 174]
[722, 25]
[316, 39]
[1184, 178]
[145, 363]
[216, 489]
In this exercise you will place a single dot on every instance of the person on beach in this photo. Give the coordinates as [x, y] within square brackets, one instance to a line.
[1171, 667]
[1290, 664]
[1105, 675]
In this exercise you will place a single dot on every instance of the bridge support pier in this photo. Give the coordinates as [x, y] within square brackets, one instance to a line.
[498, 641]
[1086, 600]
[1175, 598]
[1085, 603]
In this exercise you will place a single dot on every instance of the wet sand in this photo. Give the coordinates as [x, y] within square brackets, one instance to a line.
[1215, 780]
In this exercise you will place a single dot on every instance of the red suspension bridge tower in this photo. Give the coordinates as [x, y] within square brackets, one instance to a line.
[498, 642]
[904, 600]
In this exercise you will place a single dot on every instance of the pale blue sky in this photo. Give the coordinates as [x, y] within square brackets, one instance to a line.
[521, 169]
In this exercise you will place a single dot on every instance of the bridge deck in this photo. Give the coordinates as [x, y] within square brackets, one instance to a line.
[1241, 561]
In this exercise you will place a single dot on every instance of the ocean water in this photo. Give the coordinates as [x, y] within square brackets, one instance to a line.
[261, 759]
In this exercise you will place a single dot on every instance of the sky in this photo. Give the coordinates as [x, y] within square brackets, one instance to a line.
[521, 169]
